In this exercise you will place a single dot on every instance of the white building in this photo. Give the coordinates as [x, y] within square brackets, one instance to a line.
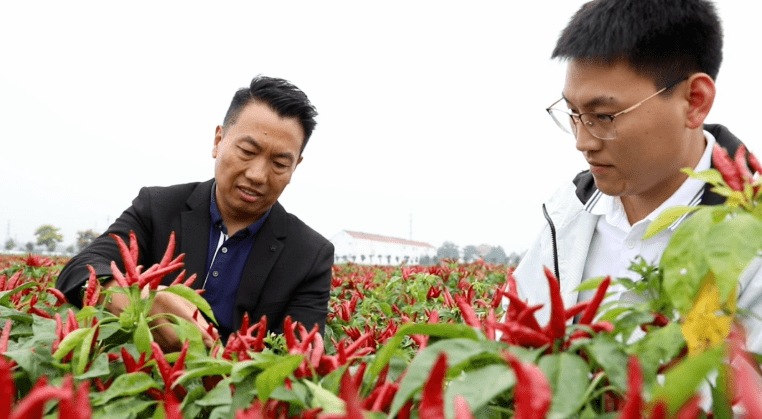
[373, 249]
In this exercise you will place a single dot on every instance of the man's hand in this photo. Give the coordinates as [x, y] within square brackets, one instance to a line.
[163, 303]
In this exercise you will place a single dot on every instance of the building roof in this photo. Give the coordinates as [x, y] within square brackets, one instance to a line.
[385, 239]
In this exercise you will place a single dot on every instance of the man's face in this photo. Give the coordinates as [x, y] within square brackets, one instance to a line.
[652, 143]
[254, 160]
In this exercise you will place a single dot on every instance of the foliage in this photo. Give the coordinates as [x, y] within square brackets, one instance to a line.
[48, 236]
[84, 238]
[10, 244]
[448, 250]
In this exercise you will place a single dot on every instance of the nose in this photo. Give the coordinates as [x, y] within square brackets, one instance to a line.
[585, 141]
[257, 171]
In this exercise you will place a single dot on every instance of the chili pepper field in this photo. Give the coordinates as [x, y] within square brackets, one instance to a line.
[428, 342]
[410, 341]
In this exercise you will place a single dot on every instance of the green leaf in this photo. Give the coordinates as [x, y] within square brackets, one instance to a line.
[658, 347]
[126, 408]
[125, 385]
[609, 354]
[722, 400]
[682, 380]
[711, 176]
[730, 247]
[221, 368]
[142, 337]
[274, 376]
[590, 284]
[325, 399]
[218, 396]
[99, 368]
[195, 299]
[684, 263]
[667, 218]
[479, 386]
[568, 375]
[437, 330]
[458, 351]
[69, 342]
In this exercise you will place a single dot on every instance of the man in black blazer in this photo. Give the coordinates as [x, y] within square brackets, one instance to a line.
[249, 254]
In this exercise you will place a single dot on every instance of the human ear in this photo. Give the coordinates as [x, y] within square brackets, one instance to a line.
[700, 96]
[218, 133]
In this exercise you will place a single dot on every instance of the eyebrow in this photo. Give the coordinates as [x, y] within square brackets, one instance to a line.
[253, 142]
[596, 102]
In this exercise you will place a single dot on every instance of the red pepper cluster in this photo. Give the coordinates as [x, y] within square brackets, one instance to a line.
[520, 327]
[27, 299]
[735, 171]
[152, 277]
[73, 403]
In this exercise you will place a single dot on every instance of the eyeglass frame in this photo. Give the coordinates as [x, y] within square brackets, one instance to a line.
[576, 118]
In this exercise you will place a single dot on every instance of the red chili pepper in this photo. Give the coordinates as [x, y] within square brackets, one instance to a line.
[60, 297]
[595, 302]
[575, 310]
[743, 168]
[634, 399]
[727, 168]
[462, 410]
[432, 401]
[532, 393]
[556, 328]
[7, 387]
[93, 290]
[754, 163]
[469, 315]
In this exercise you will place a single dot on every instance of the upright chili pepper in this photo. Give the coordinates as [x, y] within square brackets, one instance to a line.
[595, 302]
[634, 400]
[432, 402]
[556, 328]
[532, 393]
[743, 168]
[727, 168]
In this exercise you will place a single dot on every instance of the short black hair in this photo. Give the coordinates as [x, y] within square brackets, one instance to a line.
[664, 40]
[283, 97]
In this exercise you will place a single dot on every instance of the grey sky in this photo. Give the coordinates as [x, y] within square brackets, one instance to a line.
[434, 109]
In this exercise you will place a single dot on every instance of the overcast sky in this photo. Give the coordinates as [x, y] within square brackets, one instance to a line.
[428, 109]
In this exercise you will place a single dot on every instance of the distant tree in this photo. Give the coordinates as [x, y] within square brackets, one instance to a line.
[470, 253]
[425, 260]
[84, 238]
[10, 244]
[70, 249]
[48, 235]
[496, 255]
[448, 250]
[29, 247]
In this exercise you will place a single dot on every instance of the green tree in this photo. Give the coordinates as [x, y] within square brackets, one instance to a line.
[448, 250]
[29, 247]
[470, 253]
[84, 238]
[10, 244]
[48, 235]
[496, 255]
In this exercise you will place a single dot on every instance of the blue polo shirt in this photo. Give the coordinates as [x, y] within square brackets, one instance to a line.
[225, 261]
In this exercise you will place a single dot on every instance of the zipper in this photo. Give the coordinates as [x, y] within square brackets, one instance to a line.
[555, 243]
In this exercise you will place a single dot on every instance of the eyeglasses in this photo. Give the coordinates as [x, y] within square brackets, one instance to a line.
[599, 125]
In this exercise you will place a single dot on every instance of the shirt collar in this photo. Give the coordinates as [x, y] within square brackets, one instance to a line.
[689, 193]
[218, 223]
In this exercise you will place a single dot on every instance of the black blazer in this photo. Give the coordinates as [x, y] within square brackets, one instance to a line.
[288, 271]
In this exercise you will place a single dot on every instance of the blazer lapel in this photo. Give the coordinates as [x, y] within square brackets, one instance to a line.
[265, 251]
[194, 241]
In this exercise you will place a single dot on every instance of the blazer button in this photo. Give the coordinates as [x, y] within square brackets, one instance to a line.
[215, 274]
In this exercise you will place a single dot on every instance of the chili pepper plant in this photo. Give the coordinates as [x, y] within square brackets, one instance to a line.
[425, 342]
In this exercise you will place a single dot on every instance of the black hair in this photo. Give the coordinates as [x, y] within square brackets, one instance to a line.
[664, 40]
[283, 97]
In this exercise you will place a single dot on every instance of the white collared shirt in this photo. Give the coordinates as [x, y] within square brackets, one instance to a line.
[616, 243]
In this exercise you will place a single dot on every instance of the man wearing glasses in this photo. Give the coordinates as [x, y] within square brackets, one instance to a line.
[639, 85]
